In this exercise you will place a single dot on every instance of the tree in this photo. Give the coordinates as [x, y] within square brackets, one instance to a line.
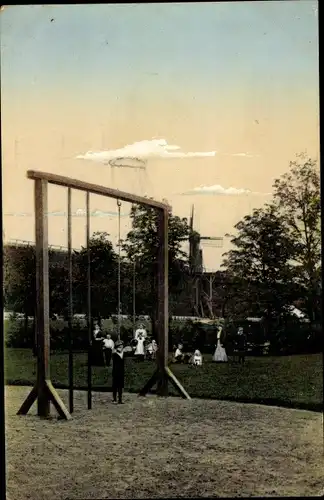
[103, 272]
[141, 246]
[259, 264]
[19, 280]
[297, 196]
[58, 282]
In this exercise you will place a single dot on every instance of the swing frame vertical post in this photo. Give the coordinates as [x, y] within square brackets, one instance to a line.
[163, 301]
[89, 372]
[42, 296]
[70, 324]
[134, 294]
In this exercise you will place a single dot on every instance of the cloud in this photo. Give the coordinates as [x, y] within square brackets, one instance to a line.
[218, 190]
[142, 151]
[16, 214]
[242, 155]
[246, 155]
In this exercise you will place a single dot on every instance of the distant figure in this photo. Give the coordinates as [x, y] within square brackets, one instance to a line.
[220, 353]
[178, 355]
[118, 371]
[154, 349]
[97, 357]
[139, 350]
[149, 351]
[97, 332]
[140, 331]
[108, 345]
[197, 358]
[241, 345]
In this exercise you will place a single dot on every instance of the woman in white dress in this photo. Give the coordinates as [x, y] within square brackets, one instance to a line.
[140, 331]
[220, 353]
[139, 351]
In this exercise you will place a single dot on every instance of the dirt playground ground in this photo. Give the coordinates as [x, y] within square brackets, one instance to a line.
[162, 448]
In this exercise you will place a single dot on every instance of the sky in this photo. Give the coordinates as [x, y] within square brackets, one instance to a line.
[232, 77]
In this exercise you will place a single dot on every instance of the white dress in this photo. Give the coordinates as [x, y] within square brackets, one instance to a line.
[197, 359]
[140, 331]
[220, 353]
[140, 348]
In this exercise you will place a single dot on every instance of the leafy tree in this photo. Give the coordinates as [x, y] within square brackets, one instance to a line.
[103, 272]
[297, 196]
[141, 245]
[58, 282]
[259, 263]
[19, 280]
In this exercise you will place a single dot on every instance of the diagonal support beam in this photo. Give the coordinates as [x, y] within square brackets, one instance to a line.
[57, 401]
[150, 383]
[177, 384]
[29, 401]
[44, 395]
[161, 379]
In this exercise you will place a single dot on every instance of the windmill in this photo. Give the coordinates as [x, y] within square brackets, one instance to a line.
[196, 268]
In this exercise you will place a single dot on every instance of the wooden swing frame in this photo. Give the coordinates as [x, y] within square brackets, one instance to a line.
[43, 390]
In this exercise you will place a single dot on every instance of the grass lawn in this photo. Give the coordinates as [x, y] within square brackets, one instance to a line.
[290, 381]
[162, 448]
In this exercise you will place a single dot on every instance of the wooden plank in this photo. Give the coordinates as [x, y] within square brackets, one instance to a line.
[177, 384]
[163, 314]
[70, 279]
[60, 180]
[57, 402]
[42, 294]
[29, 401]
[89, 302]
[149, 384]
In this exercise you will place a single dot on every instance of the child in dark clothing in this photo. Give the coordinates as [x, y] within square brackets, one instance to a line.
[118, 371]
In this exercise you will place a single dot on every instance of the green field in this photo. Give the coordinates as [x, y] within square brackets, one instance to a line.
[290, 381]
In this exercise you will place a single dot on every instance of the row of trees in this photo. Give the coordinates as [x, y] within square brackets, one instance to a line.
[139, 257]
[276, 258]
[275, 261]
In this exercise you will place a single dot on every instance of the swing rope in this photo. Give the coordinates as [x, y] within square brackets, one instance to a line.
[119, 262]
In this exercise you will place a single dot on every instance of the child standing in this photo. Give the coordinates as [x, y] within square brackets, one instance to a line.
[197, 358]
[118, 371]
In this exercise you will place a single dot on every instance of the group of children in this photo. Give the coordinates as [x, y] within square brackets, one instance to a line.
[143, 348]
[114, 351]
[195, 359]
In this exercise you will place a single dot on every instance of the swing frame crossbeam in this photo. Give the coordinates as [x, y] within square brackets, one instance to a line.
[43, 390]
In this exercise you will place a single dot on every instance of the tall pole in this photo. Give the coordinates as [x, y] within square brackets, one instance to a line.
[70, 273]
[119, 295]
[42, 296]
[134, 295]
[89, 302]
[163, 302]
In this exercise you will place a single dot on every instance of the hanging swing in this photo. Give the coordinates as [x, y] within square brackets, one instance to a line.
[118, 279]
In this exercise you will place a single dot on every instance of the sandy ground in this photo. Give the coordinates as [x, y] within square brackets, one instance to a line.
[152, 447]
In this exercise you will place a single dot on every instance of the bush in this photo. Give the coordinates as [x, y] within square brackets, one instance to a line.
[17, 335]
